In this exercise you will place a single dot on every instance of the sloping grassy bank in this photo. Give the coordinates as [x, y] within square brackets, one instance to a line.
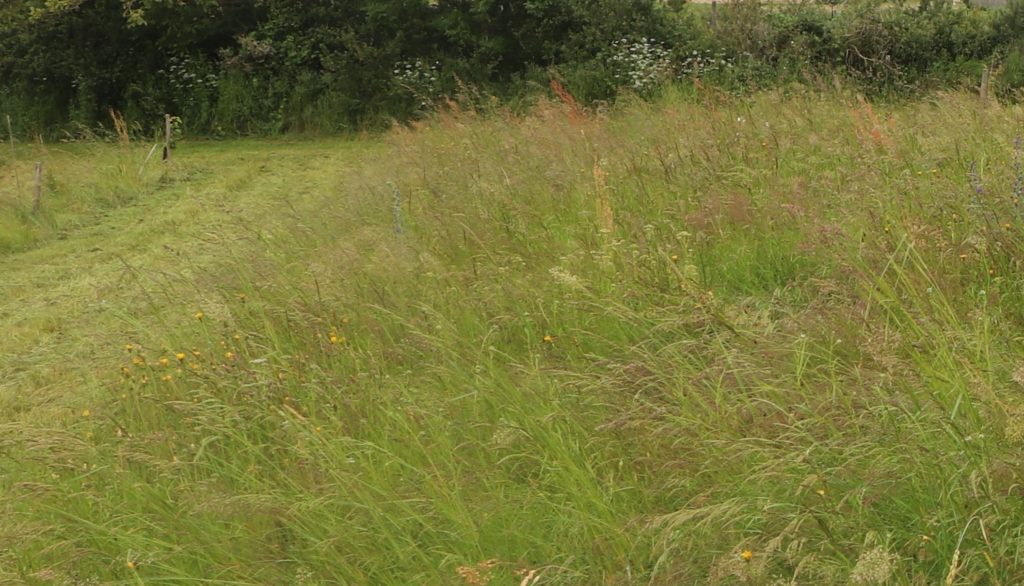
[762, 341]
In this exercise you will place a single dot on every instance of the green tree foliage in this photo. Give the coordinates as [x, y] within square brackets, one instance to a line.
[259, 66]
[64, 60]
[270, 65]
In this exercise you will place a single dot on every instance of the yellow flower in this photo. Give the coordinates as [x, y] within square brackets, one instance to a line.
[130, 565]
[138, 360]
[125, 372]
[86, 413]
[549, 339]
[820, 492]
[197, 353]
[164, 361]
[199, 315]
[129, 347]
[180, 356]
[167, 378]
[336, 339]
[229, 355]
[193, 365]
[747, 555]
[675, 257]
[238, 337]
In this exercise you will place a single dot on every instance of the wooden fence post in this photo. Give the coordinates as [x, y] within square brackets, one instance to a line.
[167, 137]
[37, 193]
[985, 82]
[714, 14]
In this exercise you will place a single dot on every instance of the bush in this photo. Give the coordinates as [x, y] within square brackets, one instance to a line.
[1009, 82]
[884, 48]
[1009, 25]
[277, 65]
[341, 65]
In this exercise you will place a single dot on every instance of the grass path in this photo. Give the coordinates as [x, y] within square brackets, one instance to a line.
[67, 299]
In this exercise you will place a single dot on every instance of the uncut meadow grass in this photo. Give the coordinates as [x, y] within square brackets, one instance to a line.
[770, 340]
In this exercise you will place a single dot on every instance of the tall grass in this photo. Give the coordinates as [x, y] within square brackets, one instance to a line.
[765, 341]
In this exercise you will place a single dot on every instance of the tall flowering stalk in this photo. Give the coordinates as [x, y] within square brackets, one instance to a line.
[974, 176]
[1018, 174]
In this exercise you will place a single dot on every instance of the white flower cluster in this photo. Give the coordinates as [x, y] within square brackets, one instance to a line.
[700, 63]
[640, 65]
[875, 566]
[420, 79]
